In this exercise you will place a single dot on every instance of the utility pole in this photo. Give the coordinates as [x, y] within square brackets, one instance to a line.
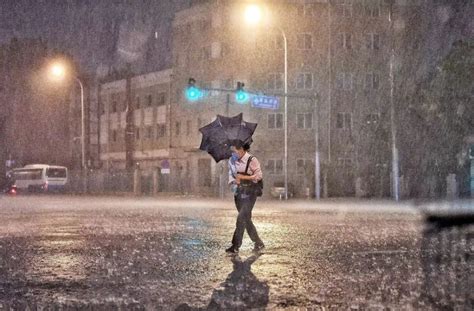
[317, 165]
[129, 126]
[395, 158]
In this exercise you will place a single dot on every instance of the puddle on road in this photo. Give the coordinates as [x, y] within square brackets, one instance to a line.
[57, 254]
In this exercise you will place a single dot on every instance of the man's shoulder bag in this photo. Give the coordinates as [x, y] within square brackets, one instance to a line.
[248, 186]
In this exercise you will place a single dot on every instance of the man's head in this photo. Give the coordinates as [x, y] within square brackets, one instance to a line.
[239, 148]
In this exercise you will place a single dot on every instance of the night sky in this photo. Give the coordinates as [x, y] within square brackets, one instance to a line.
[99, 34]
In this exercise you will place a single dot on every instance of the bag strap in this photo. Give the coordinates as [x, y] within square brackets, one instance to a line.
[248, 164]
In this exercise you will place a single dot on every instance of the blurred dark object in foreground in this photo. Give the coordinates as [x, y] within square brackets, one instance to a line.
[446, 257]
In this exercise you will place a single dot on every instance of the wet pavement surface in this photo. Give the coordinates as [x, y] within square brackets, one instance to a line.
[68, 253]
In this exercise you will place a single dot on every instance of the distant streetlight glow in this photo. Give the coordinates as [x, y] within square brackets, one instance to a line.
[253, 14]
[58, 71]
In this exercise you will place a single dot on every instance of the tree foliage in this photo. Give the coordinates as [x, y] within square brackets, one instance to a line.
[440, 116]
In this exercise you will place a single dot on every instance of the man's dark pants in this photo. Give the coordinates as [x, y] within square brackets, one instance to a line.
[244, 204]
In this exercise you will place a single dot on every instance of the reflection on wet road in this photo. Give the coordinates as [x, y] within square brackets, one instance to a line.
[75, 253]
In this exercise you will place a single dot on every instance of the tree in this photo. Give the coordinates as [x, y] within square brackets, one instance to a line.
[440, 115]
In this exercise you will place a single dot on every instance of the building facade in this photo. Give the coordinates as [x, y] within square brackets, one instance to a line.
[338, 51]
[350, 67]
[150, 108]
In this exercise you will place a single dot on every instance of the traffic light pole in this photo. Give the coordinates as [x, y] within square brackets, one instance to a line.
[285, 42]
[285, 95]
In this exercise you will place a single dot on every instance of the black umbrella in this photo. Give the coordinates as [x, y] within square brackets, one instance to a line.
[218, 135]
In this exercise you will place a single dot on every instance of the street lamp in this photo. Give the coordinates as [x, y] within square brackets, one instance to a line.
[58, 72]
[253, 16]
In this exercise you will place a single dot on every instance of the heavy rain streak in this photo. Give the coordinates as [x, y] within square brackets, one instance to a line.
[236, 155]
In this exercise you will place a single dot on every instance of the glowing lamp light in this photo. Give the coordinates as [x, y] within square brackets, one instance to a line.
[58, 71]
[253, 14]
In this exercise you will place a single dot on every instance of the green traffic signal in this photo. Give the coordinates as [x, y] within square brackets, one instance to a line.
[193, 93]
[241, 96]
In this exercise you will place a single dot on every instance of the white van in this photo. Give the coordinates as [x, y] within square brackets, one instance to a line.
[40, 177]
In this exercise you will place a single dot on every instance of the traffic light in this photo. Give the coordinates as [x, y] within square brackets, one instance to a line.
[193, 93]
[241, 96]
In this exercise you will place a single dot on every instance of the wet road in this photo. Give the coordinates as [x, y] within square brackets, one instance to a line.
[152, 254]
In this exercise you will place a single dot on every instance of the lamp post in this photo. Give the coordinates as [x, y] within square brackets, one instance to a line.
[253, 16]
[393, 129]
[58, 71]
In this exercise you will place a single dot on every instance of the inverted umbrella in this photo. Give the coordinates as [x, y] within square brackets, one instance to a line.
[218, 135]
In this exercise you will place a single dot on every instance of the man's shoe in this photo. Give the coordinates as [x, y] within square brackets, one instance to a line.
[232, 250]
[258, 247]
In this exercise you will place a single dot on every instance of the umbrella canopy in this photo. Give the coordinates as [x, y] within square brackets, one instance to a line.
[218, 135]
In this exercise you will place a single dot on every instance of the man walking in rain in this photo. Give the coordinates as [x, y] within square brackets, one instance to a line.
[245, 178]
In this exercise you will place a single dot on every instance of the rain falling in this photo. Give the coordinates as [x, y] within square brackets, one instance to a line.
[234, 155]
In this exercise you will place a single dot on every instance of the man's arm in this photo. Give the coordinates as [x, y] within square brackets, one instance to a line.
[231, 175]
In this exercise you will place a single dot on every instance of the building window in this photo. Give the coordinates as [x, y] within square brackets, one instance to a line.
[177, 128]
[149, 100]
[274, 166]
[345, 41]
[304, 120]
[188, 127]
[276, 42]
[228, 83]
[304, 81]
[344, 81]
[114, 106]
[205, 25]
[179, 93]
[302, 165]
[181, 59]
[137, 102]
[344, 162]
[160, 130]
[415, 45]
[372, 41]
[372, 119]
[275, 81]
[275, 120]
[114, 136]
[161, 99]
[304, 41]
[371, 81]
[372, 8]
[344, 8]
[206, 52]
[225, 50]
[137, 133]
[344, 121]
[204, 171]
[149, 133]
[216, 50]
[305, 9]
[216, 20]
